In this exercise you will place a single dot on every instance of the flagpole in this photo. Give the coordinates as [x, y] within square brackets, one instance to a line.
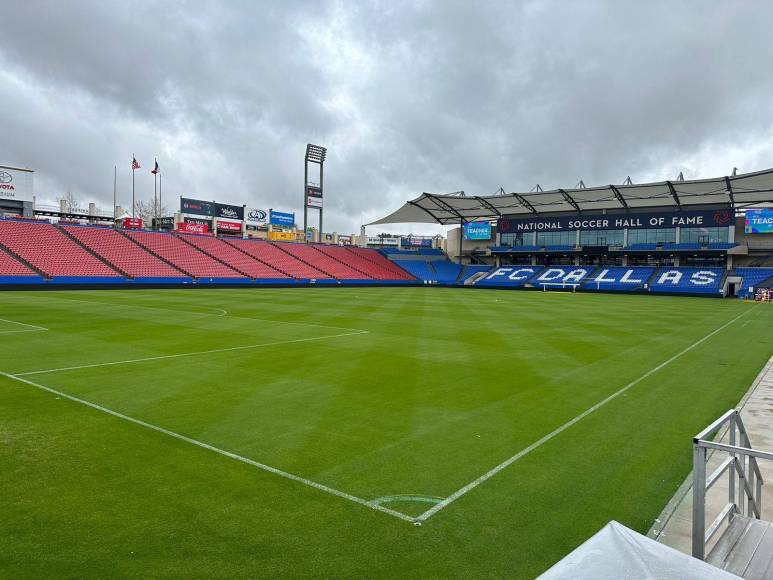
[133, 158]
[115, 188]
[155, 196]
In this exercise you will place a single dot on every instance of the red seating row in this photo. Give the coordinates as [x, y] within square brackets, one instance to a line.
[50, 250]
[236, 259]
[324, 262]
[73, 250]
[383, 268]
[270, 253]
[183, 256]
[10, 266]
[122, 252]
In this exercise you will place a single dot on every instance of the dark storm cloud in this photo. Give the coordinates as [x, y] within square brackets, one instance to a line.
[409, 97]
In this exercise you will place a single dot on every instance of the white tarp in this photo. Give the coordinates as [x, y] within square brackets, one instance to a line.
[618, 553]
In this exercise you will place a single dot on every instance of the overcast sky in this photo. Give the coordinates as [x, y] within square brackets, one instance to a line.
[407, 97]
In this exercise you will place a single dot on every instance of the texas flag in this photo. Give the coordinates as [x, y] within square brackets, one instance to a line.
[155, 169]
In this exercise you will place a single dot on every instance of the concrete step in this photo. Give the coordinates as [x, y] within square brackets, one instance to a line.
[745, 549]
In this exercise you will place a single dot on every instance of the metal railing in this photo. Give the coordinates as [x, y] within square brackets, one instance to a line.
[744, 495]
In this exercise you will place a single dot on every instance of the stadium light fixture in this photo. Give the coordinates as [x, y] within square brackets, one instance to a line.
[315, 153]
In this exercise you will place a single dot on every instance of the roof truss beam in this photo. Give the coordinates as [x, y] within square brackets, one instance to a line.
[729, 189]
[488, 205]
[619, 196]
[526, 204]
[673, 193]
[570, 200]
[443, 205]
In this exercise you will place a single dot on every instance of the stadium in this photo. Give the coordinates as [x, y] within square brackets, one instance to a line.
[225, 394]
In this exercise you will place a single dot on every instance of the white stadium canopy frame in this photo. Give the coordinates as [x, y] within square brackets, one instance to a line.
[739, 191]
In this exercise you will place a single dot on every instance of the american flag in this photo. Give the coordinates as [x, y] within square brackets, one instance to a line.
[155, 169]
[135, 165]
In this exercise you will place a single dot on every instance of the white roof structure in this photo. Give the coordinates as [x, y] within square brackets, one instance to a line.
[617, 552]
[738, 190]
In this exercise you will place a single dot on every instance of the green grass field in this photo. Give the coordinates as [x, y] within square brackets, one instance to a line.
[374, 404]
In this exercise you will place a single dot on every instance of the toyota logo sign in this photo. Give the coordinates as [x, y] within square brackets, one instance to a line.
[5, 177]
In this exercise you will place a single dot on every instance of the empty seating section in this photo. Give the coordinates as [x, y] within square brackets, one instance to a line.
[122, 252]
[721, 245]
[619, 278]
[682, 246]
[310, 256]
[326, 259]
[51, 251]
[509, 276]
[371, 270]
[688, 280]
[182, 255]
[385, 266]
[233, 257]
[472, 269]
[446, 272]
[642, 247]
[417, 268]
[271, 254]
[751, 277]
[10, 266]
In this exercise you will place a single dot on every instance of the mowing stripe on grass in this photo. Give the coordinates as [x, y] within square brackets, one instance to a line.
[263, 466]
[221, 313]
[183, 354]
[491, 473]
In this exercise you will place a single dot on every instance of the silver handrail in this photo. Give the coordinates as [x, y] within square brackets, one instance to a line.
[744, 478]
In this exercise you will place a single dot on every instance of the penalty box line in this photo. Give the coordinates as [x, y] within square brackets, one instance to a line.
[30, 327]
[505, 464]
[270, 469]
[184, 354]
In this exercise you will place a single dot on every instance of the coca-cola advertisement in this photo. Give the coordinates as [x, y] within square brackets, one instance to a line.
[132, 223]
[191, 228]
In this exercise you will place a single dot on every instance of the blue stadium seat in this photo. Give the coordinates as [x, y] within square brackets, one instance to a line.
[750, 277]
[619, 278]
[642, 247]
[471, 270]
[562, 275]
[560, 248]
[509, 276]
[688, 280]
[683, 246]
[446, 272]
[722, 245]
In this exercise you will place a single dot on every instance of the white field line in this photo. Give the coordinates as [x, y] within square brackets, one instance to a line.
[263, 466]
[199, 312]
[30, 327]
[184, 354]
[491, 473]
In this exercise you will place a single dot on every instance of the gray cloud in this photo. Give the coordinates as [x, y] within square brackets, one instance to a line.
[407, 96]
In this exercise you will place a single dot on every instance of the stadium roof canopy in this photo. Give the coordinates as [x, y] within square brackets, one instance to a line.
[738, 190]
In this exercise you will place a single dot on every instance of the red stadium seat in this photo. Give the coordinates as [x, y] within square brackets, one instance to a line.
[51, 250]
[238, 260]
[182, 255]
[122, 252]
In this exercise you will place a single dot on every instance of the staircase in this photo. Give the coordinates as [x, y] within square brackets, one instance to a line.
[745, 544]
[745, 549]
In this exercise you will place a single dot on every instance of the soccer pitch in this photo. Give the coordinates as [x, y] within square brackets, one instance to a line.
[349, 432]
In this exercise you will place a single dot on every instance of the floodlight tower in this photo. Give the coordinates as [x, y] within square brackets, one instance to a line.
[312, 192]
